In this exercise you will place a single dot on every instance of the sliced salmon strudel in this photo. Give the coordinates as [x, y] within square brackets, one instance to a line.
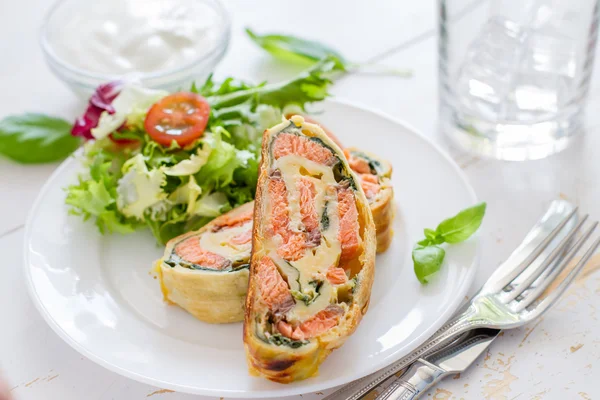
[374, 176]
[313, 253]
[205, 272]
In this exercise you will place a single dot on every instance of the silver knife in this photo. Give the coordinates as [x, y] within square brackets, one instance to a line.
[426, 372]
[360, 388]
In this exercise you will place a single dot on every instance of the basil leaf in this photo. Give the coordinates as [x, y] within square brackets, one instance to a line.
[431, 238]
[427, 261]
[460, 227]
[428, 256]
[424, 242]
[295, 49]
[430, 234]
[36, 138]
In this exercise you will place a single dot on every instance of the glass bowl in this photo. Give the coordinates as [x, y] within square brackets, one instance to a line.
[83, 80]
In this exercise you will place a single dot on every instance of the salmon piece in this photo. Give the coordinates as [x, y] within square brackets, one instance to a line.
[242, 238]
[231, 221]
[358, 164]
[319, 323]
[308, 211]
[293, 243]
[190, 250]
[370, 185]
[285, 329]
[288, 143]
[336, 275]
[348, 233]
[279, 203]
[293, 248]
[274, 291]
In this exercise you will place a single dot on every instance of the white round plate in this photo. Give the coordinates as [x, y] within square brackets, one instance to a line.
[98, 294]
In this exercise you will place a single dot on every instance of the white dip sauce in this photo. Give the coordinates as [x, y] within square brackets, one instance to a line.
[138, 36]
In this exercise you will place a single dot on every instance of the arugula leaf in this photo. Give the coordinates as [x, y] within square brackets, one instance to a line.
[36, 138]
[292, 48]
[309, 86]
[428, 256]
[427, 261]
[460, 227]
[229, 85]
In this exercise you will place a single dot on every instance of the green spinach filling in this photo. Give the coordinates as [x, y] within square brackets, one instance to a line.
[308, 296]
[174, 260]
[279, 340]
[325, 218]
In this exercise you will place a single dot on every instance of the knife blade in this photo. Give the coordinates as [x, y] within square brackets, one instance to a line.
[426, 372]
[459, 356]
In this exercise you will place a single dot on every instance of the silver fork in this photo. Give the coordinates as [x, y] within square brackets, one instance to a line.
[513, 296]
[517, 297]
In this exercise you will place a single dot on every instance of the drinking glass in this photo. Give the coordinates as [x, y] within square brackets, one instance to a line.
[514, 75]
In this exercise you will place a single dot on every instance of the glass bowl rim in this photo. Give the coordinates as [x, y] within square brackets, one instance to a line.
[216, 51]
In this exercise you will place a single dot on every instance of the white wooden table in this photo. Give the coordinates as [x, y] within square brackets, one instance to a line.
[557, 358]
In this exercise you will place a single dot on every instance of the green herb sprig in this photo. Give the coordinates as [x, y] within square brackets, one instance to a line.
[428, 256]
[298, 50]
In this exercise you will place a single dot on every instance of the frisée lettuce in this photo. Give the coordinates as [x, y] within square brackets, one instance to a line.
[130, 181]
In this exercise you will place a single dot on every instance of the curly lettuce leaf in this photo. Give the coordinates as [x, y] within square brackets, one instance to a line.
[187, 194]
[238, 195]
[190, 165]
[222, 162]
[96, 196]
[212, 205]
[140, 188]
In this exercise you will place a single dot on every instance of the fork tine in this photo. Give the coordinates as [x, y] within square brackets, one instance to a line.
[540, 268]
[549, 300]
[508, 278]
[535, 292]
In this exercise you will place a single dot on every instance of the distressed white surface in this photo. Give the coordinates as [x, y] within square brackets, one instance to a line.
[556, 359]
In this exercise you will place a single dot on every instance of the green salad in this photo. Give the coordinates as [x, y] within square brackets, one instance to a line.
[173, 162]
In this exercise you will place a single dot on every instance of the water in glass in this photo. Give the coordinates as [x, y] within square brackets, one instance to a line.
[513, 85]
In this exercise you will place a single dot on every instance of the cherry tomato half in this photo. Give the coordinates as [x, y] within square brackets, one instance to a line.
[180, 116]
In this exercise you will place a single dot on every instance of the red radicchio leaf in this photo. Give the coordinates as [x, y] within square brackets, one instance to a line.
[99, 102]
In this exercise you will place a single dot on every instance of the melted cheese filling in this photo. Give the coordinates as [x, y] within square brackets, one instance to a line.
[315, 262]
[293, 167]
[220, 242]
